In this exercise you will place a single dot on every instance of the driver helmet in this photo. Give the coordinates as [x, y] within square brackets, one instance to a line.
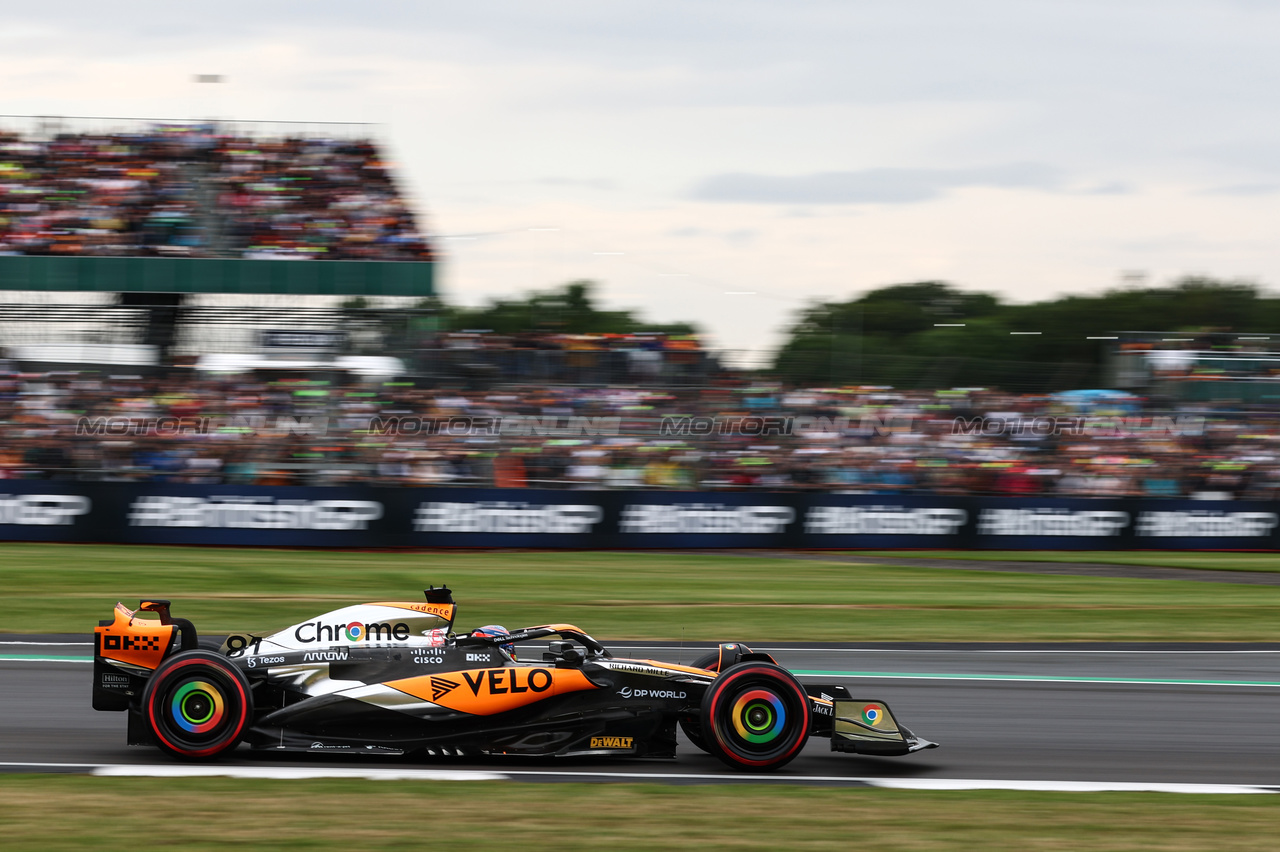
[497, 630]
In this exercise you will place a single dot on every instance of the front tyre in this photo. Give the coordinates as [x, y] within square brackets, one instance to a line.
[197, 705]
[709, 661]
[755, 716]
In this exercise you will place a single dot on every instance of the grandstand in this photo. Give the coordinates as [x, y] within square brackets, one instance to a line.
[140, 242]
[201, 190]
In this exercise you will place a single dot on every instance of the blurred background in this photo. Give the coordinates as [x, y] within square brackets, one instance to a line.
[876, 225]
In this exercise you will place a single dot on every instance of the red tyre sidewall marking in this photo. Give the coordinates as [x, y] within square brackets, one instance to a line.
[244, 717]
[800, 741]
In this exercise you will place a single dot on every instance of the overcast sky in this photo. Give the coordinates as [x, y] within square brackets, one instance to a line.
[728, 162]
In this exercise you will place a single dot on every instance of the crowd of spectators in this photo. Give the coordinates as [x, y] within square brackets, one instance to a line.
[97, 194]
[245, 430]
[312, 198]
[191, 190]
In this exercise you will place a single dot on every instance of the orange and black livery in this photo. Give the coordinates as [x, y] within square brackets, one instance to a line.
[394, 677]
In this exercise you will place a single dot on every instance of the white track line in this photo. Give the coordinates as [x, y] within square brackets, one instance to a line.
[932, 784]
[298, 773]
[1064, 786]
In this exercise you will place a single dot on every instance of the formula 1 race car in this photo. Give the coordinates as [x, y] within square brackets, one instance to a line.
[391, 678]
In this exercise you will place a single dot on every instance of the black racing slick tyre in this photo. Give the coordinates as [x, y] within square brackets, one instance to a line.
[755, 716]
[197, 705]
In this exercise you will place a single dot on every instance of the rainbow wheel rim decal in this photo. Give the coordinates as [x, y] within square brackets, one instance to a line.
[758, 716]
[197, 707]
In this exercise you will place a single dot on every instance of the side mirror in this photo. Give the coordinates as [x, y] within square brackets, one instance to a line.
[561, 652]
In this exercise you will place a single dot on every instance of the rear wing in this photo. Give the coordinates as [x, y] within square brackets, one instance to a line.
[127, 648]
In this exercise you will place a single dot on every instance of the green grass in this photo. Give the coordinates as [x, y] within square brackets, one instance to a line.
[55, 813]
[67, 588]
[1266, 562]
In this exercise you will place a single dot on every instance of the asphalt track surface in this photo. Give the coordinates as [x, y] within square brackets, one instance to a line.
[1144, 714]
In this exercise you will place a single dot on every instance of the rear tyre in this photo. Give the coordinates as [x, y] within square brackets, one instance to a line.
[755, 716]
[197, 705]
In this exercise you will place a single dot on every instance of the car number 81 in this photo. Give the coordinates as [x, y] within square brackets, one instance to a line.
[238, 643]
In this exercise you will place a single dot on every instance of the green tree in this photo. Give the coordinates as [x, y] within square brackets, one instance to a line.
[569, 309]
[930, 334]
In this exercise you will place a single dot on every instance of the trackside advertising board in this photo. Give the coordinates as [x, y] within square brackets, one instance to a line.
[367, 517]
